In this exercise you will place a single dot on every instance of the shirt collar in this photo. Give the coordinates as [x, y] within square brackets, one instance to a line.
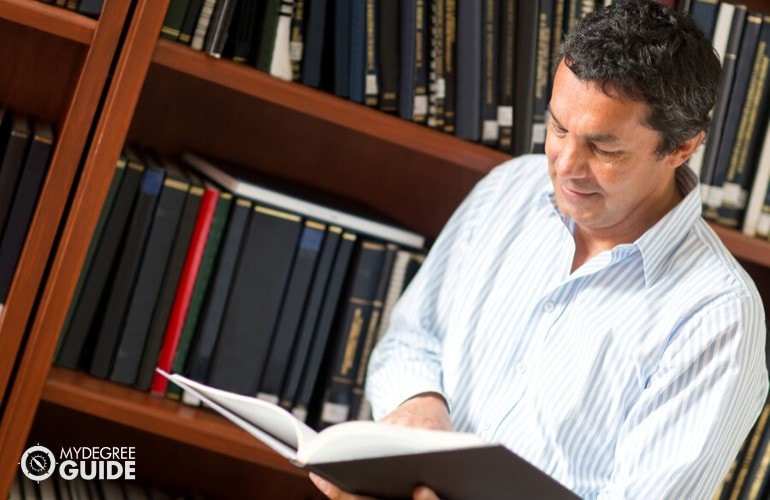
[657, 243]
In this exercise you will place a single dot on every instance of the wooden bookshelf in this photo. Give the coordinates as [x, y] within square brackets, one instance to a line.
[412, 174]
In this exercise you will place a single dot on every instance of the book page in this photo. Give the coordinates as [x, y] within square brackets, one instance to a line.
[269, 423]
[365, 439]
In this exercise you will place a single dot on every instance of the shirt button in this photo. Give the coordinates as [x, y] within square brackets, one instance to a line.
[548, 306]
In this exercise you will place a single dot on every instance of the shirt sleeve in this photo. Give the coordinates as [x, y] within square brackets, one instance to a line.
[407, 361]
[681, 436]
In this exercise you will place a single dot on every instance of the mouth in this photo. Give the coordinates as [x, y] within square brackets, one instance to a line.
[576, 195]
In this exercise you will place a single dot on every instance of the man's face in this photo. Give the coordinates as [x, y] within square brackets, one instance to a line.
[602, 161]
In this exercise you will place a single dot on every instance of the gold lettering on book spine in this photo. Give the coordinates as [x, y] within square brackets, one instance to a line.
[350, 347]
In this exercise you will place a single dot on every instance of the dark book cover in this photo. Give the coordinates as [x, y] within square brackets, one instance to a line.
[317, 35]
[524, 76]
[718, 114]
[24, 202]
[189, 22]
[117, 177]
[91, 8]
[149, 279]
[370, 338]
[15, 136]
[79, 341]
[137, 235]
[421, 63]
[407, 25]
[342, 37]
[372, 61]
[202, 282]
[357, 51]
[469, 69]
[704, 13]
[750, 138]
[214, 307]
[489, 75]
[171, 277]
[297, 39]
[286, 330]
[542, 74]
[305, 400]
[350, 332]
[301, 351]
[254, 301]
[172, 23]
[172, 331]
[387, 51]
[436, 74]
[506, 57]
[450, 64]
[219, 26]
[241, 40]
[271, 58]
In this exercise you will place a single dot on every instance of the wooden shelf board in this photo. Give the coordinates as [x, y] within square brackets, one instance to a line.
[156, 415]
[50, 19]
[318, 104]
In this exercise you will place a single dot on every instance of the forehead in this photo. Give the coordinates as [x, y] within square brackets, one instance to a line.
[585, 106]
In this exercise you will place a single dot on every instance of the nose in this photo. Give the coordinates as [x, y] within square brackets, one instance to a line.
[567, 157]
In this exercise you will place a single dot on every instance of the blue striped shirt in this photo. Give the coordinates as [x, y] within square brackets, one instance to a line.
[638, 375]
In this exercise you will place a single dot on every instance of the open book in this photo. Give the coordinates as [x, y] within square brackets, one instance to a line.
[385, 461]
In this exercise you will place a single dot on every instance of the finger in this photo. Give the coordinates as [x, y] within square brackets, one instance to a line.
[325, 486]
[424, 493]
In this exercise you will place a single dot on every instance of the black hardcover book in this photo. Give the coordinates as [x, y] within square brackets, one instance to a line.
[190, 20]
[469, 69]
[216, 36]
[301, 351]
[316, 37]
[542, 74]
[286, 330]
[342, 26]
[165, 300]
[436, 74]
[297, 39]
[718, 114]
[202, 282]
[525, 72]
[24, 202]
[91, 8]
[350, 332]
[78, 339]
[506, 57]
[117, 178]
[704, 12]
[450, 64]
[240, 45]
[304, 406]
[137, 235]
[750, 138]
[357, 51]
[255, 300]
[387, 51]
[15, 142]
[407, 25]
[421, 63]
[365, 347]
[213, 309]
[153, 265]
[172, 24]
[738, 94]
[489, 75]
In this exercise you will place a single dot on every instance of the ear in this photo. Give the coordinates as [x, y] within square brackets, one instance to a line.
[685, 150]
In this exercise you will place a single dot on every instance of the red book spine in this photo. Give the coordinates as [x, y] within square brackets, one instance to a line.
[185, 288]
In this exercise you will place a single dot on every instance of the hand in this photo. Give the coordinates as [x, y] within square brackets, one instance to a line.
[334, 493]
[428, 410]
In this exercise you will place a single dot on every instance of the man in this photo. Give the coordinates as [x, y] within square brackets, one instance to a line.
[593, 324]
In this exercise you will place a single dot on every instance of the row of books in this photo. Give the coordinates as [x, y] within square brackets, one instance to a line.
[90, 8]
[26, 145]
[734, 163]
[238, 285]
[480, 70]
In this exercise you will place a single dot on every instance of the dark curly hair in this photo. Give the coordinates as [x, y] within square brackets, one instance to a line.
[649, 53]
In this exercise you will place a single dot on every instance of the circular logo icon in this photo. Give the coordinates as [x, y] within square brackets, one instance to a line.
[38, 463]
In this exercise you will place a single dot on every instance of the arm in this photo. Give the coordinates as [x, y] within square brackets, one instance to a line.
[682, 434]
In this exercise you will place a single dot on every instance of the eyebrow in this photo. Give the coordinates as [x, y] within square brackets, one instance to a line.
[605, 138]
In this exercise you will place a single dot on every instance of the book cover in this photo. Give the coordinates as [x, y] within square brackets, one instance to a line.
[254, 302]
[386, 461]
[214, 307]
[184, 290]
[342, 25]
[450, 64]
[172, 24]
[149, 278]
[78, 341]
[190, 21]
[307, 203]
[506, 57]
[489, 76]
[436, 73]
[316, 37]
[274, 57]
[24, 202]
[129, 263]
[387, 52]
[350, 332]
[297, 39]
[525, 76]
[219, 26]
[171, 277]
[357, 51]
[286, 330]
[306, 329]
[15, 142]
[470, 18]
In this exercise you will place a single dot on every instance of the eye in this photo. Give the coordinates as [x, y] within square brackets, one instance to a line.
[603, 152]
[558, 129]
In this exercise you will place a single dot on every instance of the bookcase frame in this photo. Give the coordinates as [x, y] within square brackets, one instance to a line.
[169, 97]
